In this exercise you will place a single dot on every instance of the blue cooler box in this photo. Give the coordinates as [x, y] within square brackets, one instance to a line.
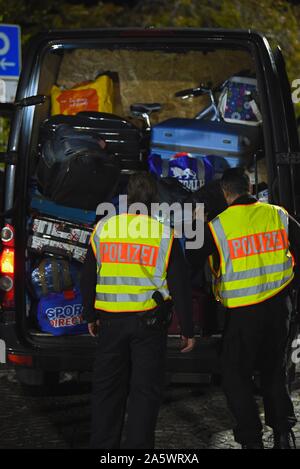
[75, 215]
[227, 145]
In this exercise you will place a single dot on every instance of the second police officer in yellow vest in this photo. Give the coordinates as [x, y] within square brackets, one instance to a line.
[254, 261]
[248, 246]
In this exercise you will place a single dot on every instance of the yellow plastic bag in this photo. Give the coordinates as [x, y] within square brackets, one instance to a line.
[88, 96]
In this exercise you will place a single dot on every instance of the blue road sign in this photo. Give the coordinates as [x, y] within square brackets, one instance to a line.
[10, 51]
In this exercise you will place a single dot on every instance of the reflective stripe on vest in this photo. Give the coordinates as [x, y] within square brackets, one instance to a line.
[254, 258]
[130, 268]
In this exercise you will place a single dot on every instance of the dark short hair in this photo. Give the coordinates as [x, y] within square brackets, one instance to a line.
[235, 181]
[142, 187]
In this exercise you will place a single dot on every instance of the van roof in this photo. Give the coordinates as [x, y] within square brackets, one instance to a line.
[154, 32]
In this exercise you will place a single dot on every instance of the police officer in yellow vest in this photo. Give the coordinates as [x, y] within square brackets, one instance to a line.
[248, 246]
[133, 268]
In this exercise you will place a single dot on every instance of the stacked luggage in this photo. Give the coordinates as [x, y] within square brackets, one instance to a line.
[83, 160]
[224, 144]
[227, 138]
[74, 174]
[57, 249]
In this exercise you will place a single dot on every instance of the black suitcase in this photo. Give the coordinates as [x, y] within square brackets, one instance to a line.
[123, 139]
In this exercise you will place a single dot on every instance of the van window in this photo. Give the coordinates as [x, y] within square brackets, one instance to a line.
[145, 76]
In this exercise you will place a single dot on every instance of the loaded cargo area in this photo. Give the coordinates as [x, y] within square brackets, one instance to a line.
[113, 112]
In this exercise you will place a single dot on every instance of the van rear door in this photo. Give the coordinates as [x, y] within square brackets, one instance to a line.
[7, 111]
[286, 141]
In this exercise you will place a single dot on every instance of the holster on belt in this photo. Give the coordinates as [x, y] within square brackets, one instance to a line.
[159, 317]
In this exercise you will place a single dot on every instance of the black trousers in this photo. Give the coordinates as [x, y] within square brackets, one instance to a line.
[256, 338]
[129, 365]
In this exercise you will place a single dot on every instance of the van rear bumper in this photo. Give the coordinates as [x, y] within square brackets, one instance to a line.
[77, 353]
[49, 353]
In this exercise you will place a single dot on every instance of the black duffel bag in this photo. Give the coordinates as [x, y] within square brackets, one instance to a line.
[75, 171]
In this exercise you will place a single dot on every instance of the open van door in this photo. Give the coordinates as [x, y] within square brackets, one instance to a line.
[6, 115]
[287, 162]
[288, 169]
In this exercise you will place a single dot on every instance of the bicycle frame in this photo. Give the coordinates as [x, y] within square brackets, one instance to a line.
[211, 109]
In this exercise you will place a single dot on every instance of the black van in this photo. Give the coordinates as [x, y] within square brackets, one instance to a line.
[152, 65]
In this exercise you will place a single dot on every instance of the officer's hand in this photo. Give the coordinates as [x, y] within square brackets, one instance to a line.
[187, 344]
[93, 328]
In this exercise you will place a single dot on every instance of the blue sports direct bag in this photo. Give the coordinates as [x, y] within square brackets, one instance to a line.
[61, 313]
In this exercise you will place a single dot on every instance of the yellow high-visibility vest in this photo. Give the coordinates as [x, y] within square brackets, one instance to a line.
[254, 262]
[132, 253]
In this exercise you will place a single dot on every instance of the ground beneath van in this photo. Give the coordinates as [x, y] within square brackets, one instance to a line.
[191, 416]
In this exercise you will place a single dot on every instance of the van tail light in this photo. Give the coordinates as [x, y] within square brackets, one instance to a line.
[7, 267]
[7, 261]
[25, 360]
